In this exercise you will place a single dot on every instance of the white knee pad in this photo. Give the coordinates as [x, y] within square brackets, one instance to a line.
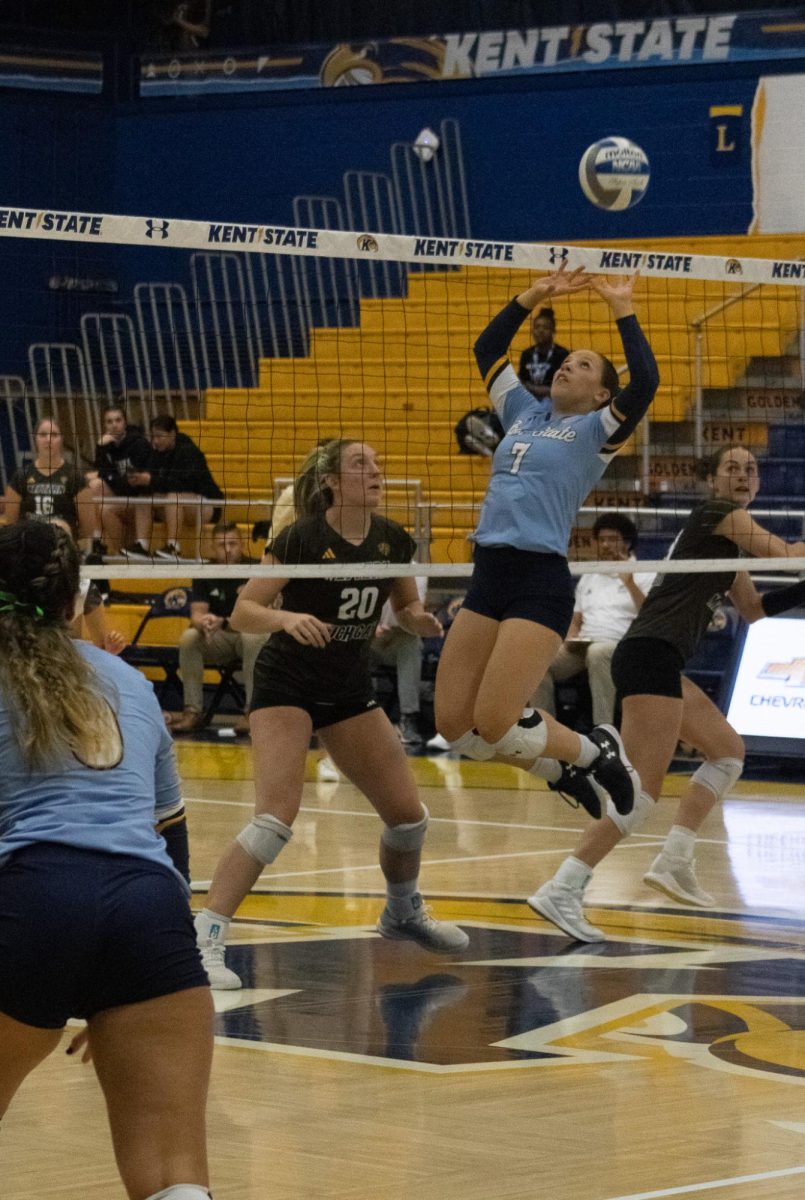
[264, 837]
[631, 822]
[406, 837]
[183, 1191]
[719, 775]
[472, 745]
[527, 739]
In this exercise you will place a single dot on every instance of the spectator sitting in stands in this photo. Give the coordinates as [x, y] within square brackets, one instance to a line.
[604, 608]
[50, 486]
[176, 471]
[122, 450]
[393, 646]
[540, 362]
[209, 641]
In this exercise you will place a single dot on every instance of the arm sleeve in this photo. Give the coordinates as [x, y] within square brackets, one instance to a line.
[506, 392]
[629, 406]
[781, 599]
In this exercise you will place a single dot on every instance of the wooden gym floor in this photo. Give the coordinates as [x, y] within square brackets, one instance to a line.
[667, 1061]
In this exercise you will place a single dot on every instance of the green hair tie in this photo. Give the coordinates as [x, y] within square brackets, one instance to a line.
[10, 603]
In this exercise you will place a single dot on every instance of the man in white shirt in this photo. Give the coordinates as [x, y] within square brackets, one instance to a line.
[605, 607]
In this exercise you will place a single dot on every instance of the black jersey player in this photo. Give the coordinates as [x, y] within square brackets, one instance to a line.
[660, 705]
[313, 675]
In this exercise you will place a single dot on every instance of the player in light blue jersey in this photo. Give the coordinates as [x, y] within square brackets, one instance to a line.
[520, 601]
[94, 917]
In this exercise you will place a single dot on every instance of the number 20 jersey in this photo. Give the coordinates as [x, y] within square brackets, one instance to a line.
[351, 607]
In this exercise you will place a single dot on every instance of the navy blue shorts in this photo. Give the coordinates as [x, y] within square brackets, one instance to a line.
[510, 583]
[647, 667]
[82, 931]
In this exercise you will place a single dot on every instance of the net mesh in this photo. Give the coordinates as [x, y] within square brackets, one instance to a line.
[264, 340]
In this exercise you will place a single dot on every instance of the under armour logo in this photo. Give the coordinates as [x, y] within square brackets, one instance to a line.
[558, 254]
[156, 229]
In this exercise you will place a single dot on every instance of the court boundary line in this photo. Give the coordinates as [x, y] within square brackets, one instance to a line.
[711, 1185]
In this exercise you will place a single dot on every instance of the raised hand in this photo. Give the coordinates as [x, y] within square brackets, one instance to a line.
[558, 283]
[617, 292]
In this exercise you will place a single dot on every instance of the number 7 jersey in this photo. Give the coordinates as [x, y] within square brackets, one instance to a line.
[351, 607]
[543, 470]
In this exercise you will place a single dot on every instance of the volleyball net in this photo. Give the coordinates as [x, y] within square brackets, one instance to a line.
[263, 340]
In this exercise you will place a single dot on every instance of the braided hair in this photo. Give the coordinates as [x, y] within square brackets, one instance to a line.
[52, 693]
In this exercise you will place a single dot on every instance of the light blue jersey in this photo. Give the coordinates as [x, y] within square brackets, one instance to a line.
[111, 809]
[543, 470]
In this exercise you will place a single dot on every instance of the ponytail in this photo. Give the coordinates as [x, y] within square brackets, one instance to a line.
[311, 494]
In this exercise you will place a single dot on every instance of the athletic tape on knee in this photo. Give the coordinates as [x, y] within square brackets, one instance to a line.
[719, 775]
[472, 745]
[405, 837]
[183, 1191]
[527, 739]
[264, 837]
[631, 822]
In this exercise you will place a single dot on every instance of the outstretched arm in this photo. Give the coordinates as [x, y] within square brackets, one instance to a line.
[491, 347]
[630, 405]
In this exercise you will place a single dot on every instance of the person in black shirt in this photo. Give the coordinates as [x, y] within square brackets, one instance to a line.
[210, 641]
[50, 486]
[540, 362]
[122, 450]
[176, 470]
[314, 674]
[660, 705]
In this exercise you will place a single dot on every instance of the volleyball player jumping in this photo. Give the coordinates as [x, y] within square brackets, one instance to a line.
[313, 675]
[520, 600]
[660, 705]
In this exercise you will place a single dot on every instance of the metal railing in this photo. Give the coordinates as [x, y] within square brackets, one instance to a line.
[224, 319]
[372, 204]
[329, 286]
[167, 341]
[59, 380]
[113, 363]
[18, 412]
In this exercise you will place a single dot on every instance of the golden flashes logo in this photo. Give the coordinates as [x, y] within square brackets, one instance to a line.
[791, 672]
[404, 60]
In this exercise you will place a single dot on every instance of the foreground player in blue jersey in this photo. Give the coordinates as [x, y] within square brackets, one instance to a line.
[520, 600]
[94, 918]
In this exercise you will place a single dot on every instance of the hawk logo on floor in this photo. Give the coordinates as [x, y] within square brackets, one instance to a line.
[522, 997]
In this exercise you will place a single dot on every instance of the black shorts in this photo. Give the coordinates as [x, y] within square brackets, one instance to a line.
[647, 667]
[82, 931]
[273, 687]
[510, 583]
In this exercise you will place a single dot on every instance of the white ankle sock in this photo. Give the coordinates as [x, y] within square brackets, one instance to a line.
[588, 754]
[546, 768]
[679, 843]
[573, 873]
[211, 927]
[183, 1191]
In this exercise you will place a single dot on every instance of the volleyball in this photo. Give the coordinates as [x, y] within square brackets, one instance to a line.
[614, 174]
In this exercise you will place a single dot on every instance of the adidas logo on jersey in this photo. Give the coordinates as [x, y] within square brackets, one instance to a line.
[329, 553]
